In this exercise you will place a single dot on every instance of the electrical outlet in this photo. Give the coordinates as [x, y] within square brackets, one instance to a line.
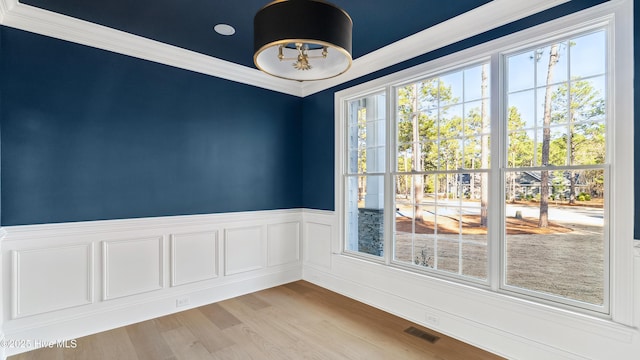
[182, 301]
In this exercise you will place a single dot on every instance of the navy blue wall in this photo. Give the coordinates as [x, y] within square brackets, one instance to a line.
[318, 168]
[318, 154]
[88, 134]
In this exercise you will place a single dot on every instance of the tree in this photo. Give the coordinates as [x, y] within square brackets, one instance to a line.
[520, 151]
[484, 151]
[417, 129]
[581, 107]
[520, 148]
[418, 181]
[543, 221]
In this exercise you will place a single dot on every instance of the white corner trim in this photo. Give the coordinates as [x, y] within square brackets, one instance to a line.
[3, 9]
[39, 21]
[636, 248]
[484, 18]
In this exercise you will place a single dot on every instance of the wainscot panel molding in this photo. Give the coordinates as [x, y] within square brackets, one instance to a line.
[194, 257]
[508, 326]
[244, 250]
[636, 275]
[319, 233]
[67, 280]
[3, 303]
[132, 266]
[283, 243]
[66, 271]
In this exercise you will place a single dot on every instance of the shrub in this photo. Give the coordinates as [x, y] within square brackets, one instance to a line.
[584, 197]
[423, 259]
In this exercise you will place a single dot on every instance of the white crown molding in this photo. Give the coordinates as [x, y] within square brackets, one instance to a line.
[3, 9]
[481, 19]
[36, 20]
[484, 18]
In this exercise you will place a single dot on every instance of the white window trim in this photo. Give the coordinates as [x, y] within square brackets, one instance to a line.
[621, 110]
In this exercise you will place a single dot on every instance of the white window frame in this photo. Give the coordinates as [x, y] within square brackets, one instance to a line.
[618, 16]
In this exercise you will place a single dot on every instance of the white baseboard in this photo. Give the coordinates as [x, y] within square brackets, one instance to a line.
[482, 336]
[106, 319]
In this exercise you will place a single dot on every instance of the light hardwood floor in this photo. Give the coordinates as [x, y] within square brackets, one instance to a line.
[294, 321]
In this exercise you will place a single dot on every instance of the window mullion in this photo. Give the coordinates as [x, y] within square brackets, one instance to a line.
[390, 161]
[496, 191]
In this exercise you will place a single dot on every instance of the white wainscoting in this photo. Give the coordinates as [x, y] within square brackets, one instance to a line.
[508, 326]
[283, 243]
[637, 281]
[132, 266]
[318, 238]
[63, 281]
[244, 250]
[65, 271]
[194, 257]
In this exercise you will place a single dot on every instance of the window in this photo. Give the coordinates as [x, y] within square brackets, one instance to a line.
[556, 173]
[364, 180]
[441, 172]
[494, 167]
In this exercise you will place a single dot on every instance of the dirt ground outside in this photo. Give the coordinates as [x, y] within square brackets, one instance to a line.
[565, 259]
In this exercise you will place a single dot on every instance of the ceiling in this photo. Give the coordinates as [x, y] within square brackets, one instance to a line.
[189, 23]
[380, 30]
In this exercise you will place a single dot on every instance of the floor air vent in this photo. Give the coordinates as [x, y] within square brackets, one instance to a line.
[421, 334]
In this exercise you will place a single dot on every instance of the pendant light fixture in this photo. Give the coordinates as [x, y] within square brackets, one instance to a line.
[302, 40]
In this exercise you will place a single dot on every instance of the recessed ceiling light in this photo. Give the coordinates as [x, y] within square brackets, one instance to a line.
[224, 29]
